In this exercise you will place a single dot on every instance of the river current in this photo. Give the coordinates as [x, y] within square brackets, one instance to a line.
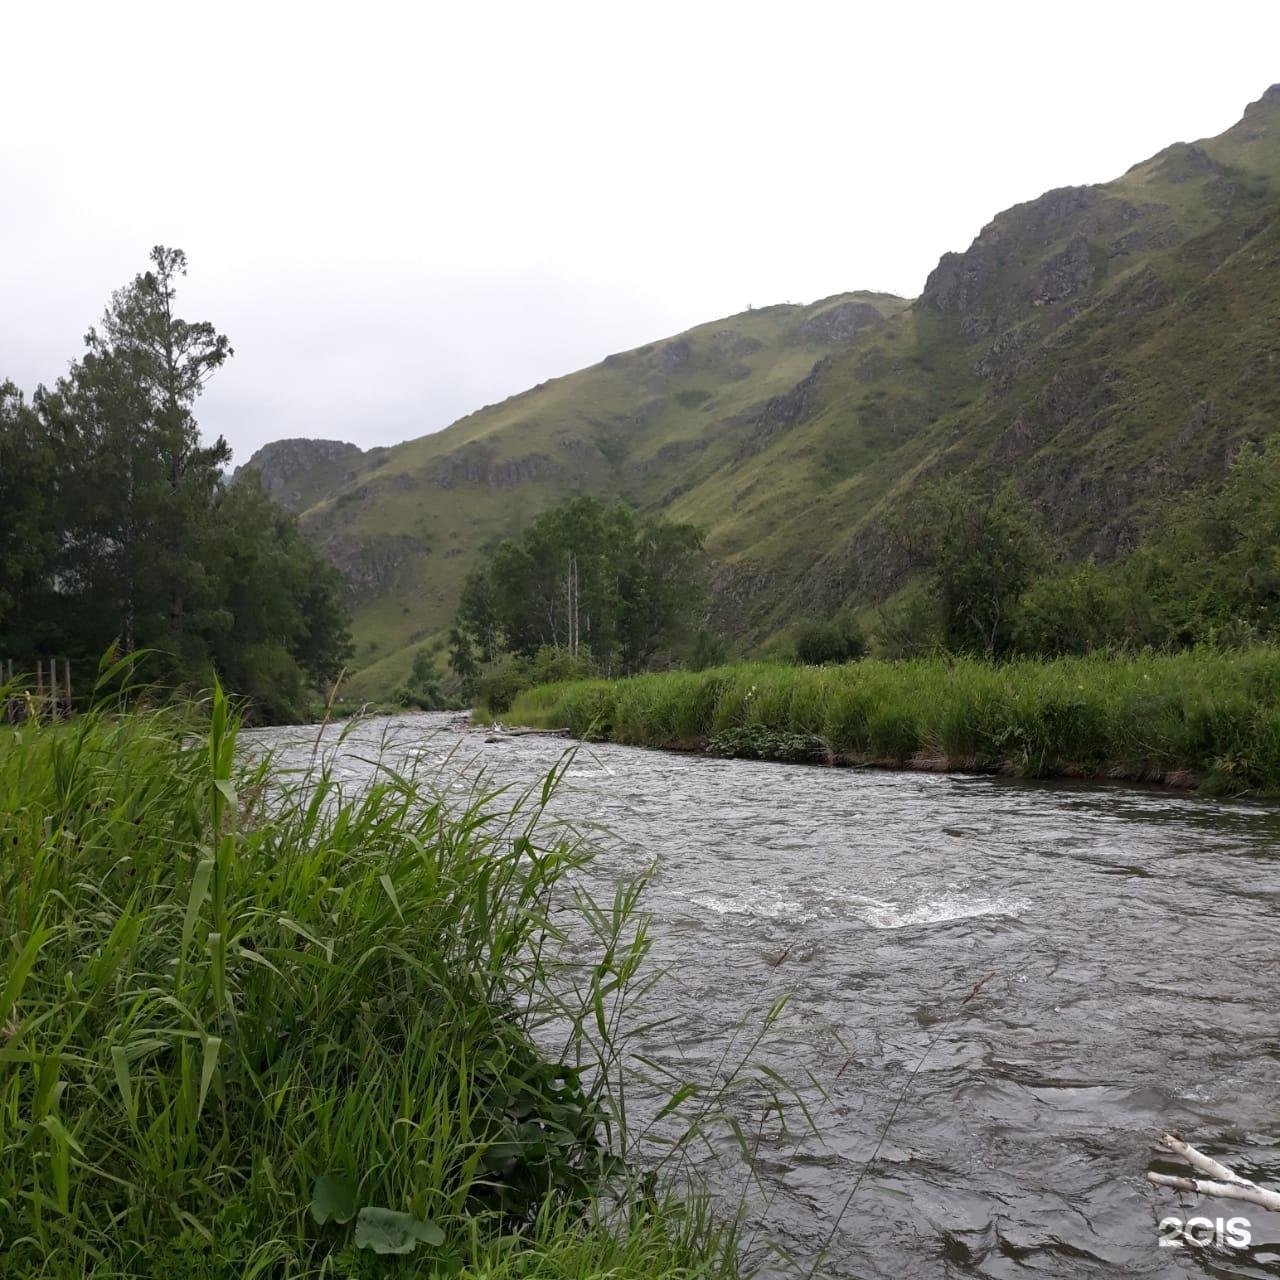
[1132, 938]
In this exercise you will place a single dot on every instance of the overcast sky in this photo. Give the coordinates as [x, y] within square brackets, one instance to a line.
[401, 212]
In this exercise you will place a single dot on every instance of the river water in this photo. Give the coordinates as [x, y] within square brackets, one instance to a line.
[1133, 938]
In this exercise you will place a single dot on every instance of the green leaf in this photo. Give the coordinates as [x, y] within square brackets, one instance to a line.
[388, 1231]
[385, 880]
[199, 888]
[333, 1198]
[227, 789]
[211, 1046]
[121, 1064]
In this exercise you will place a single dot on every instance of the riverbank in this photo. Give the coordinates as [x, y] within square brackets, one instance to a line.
[254, 1024]
[1200, 718]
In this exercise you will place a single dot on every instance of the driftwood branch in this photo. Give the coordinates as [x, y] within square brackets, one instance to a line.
[500, 731]
[1222, 1182]
[1198, 1159]
[1250, 1192]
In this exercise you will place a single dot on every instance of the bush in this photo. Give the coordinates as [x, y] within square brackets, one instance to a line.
[837, 640]
[511, 675]
[709, 650]
[422, 690]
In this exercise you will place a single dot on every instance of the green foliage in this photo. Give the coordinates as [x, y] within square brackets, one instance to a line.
[512, 673]
[118, 525]
[255, 1024]
[693, 398]
[1205, 715]
[709, 650]
[838, 639]
[422, 690]
[596, 583]
[983, 553]
[756, 742]
[1208, 573]
[909, 626]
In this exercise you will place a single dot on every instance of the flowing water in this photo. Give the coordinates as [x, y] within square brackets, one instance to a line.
[1132, 935]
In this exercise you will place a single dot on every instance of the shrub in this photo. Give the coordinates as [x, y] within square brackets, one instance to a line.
[837, 640]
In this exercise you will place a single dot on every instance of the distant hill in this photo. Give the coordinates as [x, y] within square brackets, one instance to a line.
[1103, 346]
[299, 472]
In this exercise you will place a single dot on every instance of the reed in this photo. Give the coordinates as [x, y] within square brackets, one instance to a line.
[1198, 717]
[257, 1025]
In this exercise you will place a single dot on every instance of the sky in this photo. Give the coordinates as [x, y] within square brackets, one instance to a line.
[399, 213]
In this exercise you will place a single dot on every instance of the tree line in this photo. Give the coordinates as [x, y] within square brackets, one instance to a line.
[988, 583]
[118, 527]
[585, 589]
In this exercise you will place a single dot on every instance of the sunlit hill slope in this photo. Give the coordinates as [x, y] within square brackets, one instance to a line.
[1103, 346]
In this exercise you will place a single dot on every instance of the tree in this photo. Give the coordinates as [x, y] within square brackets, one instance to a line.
[666, 584]
[30, 470]
[984, 553]
[462, 661]
[592, 581]
[164, 363]
[118, 527]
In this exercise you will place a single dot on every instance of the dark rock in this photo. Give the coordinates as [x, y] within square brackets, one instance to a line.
[283, 466]
[840, 323]
[477, 467]
[671, 356]
[1064, 274]
[369, 563]
[781, 412]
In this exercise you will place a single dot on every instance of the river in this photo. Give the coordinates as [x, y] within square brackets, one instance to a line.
[1132, 936]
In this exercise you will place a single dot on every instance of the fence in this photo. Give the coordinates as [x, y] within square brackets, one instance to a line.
[44, 696]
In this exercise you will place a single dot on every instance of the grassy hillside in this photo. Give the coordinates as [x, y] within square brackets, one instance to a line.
[639, 426]
[1103, 346]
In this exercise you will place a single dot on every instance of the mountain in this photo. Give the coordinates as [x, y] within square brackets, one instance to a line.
[1103, 346]
[299, 472]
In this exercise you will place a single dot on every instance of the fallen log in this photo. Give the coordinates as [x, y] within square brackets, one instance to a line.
[1249, 1192]
[1222, 1182]
[499, 732]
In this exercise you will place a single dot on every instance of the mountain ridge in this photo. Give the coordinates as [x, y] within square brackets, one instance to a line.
[1100, 346]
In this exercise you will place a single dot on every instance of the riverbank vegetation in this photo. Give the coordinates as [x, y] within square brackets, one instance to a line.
[255, 1025]
[1206, 571]
[1200, 717]
[586, 590]
[118, 526]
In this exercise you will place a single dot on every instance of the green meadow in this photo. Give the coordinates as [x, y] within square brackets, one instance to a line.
[1196, 718]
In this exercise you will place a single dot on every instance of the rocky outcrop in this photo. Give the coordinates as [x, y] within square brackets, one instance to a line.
[478, 467]
[1064, 274]
[781, 412]
[370, 563]
[840, 323]
[289, 468]
[1035, 254]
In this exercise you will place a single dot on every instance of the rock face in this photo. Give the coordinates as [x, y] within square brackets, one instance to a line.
[842, 322]
[370, 563]
[293, 470]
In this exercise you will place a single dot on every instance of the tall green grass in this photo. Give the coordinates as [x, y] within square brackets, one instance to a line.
[258, 1026]
[1198, 717]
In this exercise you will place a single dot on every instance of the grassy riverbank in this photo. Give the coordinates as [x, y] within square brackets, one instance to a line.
[253, 1026]
[1200, 717]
